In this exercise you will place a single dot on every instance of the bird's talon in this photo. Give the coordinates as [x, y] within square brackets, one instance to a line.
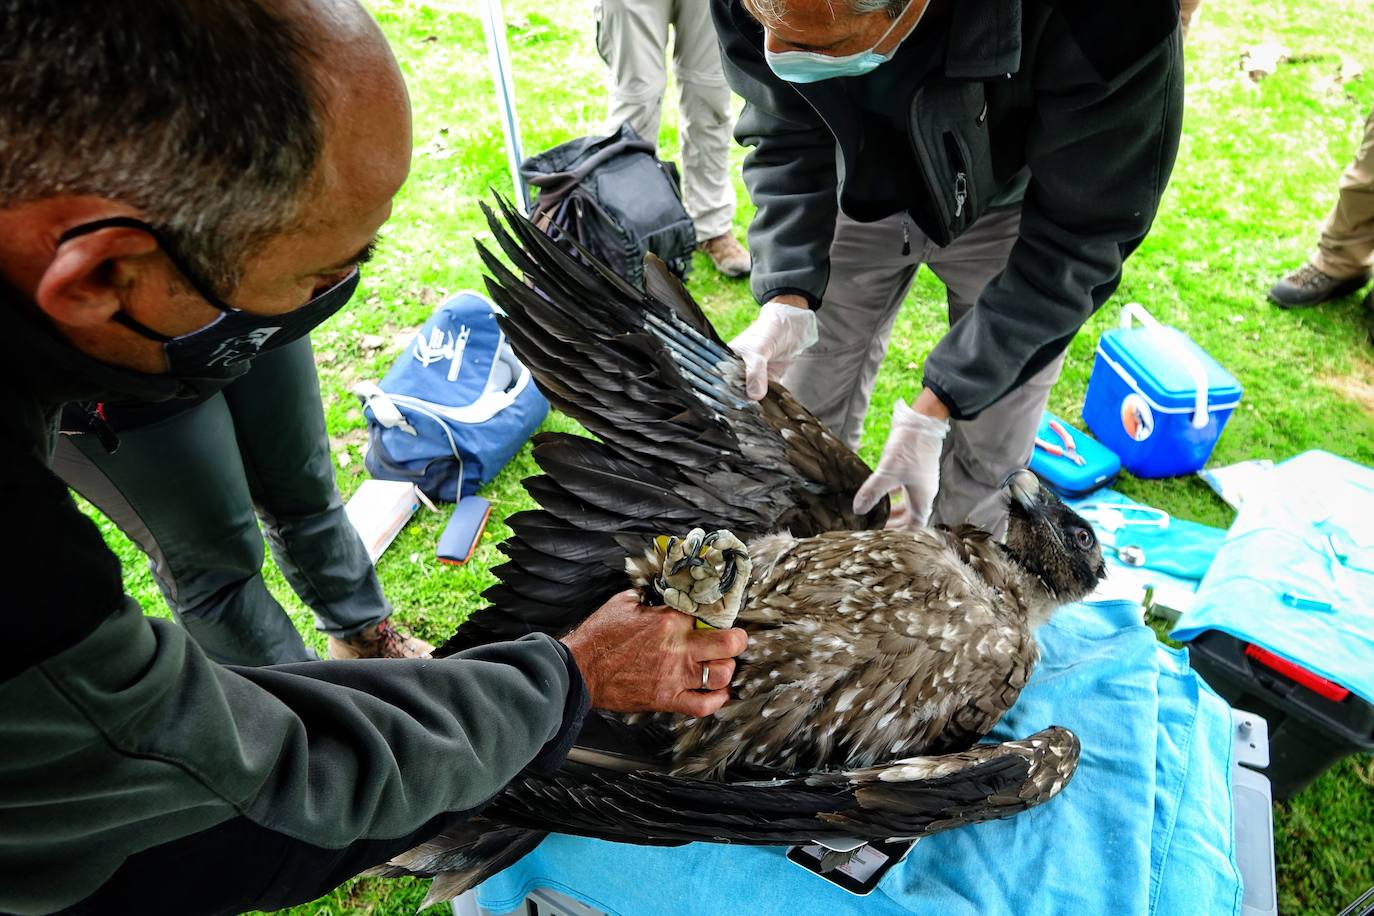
[703, 574]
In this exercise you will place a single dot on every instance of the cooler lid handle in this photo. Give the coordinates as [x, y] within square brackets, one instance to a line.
[1135, 311]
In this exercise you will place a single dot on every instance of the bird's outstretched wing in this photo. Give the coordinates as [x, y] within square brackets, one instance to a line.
[903, 799]
[681, 445]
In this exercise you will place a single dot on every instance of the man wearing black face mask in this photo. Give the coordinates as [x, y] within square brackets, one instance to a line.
[182, 479]
[252, 148]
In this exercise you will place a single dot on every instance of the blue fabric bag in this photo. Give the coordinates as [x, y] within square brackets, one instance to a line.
[1145, 827]
[455, 407]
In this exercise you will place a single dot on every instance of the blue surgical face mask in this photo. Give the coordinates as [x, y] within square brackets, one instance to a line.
[812, 66]
[222, 348]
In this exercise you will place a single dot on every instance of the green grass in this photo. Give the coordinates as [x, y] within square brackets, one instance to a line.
[1256, 175]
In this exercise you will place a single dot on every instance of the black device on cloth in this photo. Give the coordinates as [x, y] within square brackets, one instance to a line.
[616, 198]
[861, 874]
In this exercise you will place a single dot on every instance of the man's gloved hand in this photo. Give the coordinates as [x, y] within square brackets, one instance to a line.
[910, 462]
[771, 344]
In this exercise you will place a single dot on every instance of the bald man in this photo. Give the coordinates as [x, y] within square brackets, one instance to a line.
[185, 188]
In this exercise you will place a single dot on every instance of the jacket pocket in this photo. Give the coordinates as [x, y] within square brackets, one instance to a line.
[948, 128]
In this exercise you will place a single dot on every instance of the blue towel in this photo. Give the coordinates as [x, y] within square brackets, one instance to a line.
[1145, 825]
[1309, 533]
[1192, 857]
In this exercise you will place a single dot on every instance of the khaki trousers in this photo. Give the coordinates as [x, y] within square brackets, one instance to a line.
[632, 37]
[1346, 247]
[869, 279]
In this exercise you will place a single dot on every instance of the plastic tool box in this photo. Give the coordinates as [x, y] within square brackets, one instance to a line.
[1072, 468]
[1156, 398]
[1312, 722]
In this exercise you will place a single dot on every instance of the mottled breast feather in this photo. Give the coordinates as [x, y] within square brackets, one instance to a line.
[866, 646]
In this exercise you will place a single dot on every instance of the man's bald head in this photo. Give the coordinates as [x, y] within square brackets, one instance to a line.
[210, 118]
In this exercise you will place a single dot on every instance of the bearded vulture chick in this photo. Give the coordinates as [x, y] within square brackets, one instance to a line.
[869, 649]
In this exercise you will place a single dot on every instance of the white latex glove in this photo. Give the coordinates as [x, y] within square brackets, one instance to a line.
[911, 463]
[771, 344]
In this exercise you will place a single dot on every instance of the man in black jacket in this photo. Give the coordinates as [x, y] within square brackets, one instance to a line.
[1018, 148]
[175, 181]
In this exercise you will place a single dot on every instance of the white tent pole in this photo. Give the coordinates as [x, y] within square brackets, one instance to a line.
[494, 25]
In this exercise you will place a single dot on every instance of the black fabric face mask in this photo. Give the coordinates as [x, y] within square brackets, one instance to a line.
[222, 347]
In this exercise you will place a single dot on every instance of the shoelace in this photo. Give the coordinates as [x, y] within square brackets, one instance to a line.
[1307, 275]
[390, 643]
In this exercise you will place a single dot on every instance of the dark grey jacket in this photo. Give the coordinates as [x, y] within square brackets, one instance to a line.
[132, 761]
[1073, 106]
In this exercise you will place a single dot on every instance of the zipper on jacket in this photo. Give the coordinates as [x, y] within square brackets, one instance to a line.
[906, 238]
[960, 193]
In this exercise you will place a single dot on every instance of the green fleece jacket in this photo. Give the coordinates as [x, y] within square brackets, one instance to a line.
[200, 788]
[1073, 107]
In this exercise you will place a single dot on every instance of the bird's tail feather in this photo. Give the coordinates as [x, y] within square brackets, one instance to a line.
[462, 857]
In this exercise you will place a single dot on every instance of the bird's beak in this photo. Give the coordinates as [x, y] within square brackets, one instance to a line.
[1024, 487]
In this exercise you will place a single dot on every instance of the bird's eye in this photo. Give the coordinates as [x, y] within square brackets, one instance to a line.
[1083, 538]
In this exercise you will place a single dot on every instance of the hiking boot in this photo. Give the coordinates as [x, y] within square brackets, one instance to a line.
[1308, 286]
[381, 640]
[727, 254]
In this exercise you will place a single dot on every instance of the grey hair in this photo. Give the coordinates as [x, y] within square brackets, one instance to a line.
[770, 11]
[200, 114]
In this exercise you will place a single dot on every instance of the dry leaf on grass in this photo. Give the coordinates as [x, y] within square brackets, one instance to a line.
[1349, 70]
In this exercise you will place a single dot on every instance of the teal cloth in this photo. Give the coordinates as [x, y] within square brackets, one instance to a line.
[1183, 550]
[1144, 827]
[1310, 532]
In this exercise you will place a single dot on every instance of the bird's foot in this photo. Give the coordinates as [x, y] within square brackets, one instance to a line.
[704, 575]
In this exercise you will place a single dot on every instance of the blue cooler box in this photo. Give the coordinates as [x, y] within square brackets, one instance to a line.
[1156, 398]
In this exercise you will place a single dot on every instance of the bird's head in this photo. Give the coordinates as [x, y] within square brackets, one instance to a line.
[1051, 541]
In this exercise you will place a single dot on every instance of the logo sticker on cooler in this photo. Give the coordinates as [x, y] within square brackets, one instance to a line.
[1136, 417]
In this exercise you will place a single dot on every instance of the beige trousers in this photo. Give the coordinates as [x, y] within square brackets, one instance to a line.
[1346, 247]
[632, 37]
[869, 279]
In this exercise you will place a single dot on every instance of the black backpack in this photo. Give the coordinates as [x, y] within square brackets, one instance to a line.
[616, 198]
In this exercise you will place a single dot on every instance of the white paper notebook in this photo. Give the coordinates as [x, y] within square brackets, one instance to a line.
[379, 510]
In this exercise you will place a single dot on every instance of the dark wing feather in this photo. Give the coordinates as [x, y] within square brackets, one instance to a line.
[681, 445]
[899, 800]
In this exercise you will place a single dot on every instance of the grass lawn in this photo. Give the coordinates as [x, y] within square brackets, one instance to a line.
[1256, 174]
